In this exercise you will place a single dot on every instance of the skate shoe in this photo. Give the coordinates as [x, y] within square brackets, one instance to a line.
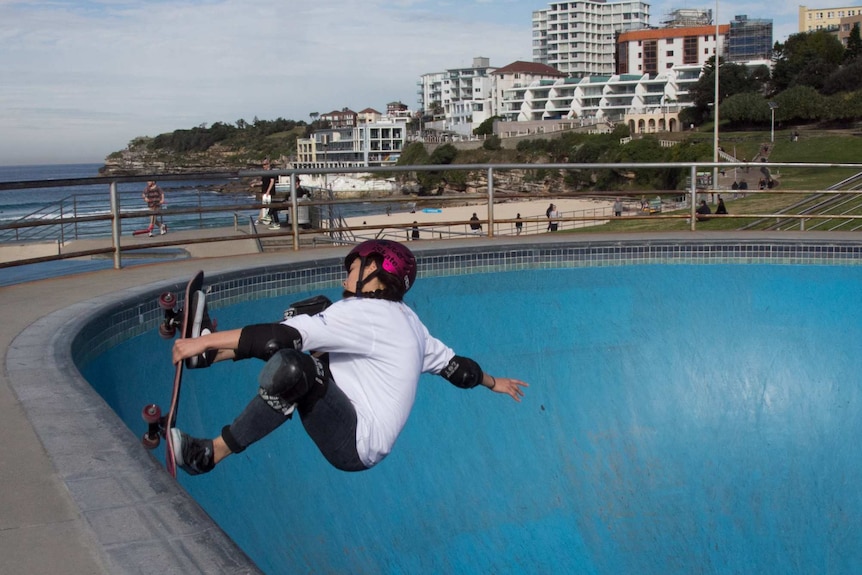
[192, 455]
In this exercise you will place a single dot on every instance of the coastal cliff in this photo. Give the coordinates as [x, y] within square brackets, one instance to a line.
[138, 160]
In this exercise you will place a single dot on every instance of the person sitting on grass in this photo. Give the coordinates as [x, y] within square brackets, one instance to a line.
[703, 211]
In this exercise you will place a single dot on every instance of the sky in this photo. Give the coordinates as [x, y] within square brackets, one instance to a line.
[80, 79]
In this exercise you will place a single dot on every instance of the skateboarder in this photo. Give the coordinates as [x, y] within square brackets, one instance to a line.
[354, 394]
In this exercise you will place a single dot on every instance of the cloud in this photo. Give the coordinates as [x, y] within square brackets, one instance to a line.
[108, 71]
[82, 78]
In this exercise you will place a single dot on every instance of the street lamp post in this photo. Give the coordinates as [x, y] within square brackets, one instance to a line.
[772, 107]
[715, 107]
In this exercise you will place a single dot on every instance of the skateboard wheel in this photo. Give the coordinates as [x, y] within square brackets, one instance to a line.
[151, 413]
[167, 331]
[167, 301]
[151, 442]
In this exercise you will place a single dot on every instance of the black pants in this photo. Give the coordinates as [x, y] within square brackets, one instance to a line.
[327, 415]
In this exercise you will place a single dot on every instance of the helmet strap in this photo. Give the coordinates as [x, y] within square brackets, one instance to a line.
[363, 279]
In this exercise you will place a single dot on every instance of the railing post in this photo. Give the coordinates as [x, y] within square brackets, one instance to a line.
[490, 202]
[116, 228]
[693, 215]
[62, 226]
[294, 212]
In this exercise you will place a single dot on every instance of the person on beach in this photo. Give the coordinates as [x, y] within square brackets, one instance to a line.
[155, 198]
[351, 371]
[519, 225]
[475, 226]
[618, 208]
[552, 214]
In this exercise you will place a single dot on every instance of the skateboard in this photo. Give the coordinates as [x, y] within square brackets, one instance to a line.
[191, 320]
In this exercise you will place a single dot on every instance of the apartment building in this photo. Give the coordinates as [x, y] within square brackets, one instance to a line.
[344, 118]
[367, 144]
[518, 74]
[598, 99]
[657, 50]
[459, 98]
[578, 38]
[846, 26]
[466, 97]
[813, 19]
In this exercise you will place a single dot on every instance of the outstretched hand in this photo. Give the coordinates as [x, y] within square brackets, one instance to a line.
[509, 386]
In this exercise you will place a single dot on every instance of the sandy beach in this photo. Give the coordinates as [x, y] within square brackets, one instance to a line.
[532, 212]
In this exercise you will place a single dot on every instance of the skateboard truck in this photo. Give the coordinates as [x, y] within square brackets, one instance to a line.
[152, 414]
[173, 315]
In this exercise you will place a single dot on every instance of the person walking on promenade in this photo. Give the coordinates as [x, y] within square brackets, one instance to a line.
[519, 225]
[267, 187]
[155, 198]
[351, 371]
[475, 226]
[552, 214]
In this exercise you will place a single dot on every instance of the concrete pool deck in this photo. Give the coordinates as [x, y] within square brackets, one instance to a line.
[61, 512]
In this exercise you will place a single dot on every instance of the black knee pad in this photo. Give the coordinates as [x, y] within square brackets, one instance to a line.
[290, 375]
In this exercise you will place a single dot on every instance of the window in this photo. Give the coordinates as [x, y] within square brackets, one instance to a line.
[650, 57]
[669, 53]
[689, 50]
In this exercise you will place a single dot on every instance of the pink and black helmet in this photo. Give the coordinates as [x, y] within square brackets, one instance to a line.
[398, 260]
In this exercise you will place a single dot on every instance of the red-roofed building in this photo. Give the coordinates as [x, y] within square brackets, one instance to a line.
[518, 74]
[658, 50]
[346, 118]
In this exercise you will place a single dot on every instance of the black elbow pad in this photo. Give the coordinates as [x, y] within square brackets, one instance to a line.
[264, 339]
[463, 372]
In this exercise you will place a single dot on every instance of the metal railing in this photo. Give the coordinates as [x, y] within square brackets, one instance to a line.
[331, 227]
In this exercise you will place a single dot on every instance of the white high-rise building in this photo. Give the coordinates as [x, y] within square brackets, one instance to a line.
[578, 38]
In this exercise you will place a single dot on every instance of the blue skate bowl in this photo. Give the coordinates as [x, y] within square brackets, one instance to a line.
[692, 409]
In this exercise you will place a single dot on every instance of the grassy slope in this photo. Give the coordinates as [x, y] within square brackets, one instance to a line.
[814, 146]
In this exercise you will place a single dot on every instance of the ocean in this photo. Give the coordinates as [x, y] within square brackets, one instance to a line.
[93, 199]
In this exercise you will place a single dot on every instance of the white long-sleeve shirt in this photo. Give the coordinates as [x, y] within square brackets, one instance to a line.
[377, 351]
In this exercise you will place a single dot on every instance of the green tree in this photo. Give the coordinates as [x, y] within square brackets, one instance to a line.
[733, 79]
[847, 78]
[843, 107]
[854, 44]
[799, 104]
[745, 109]
[492, 143]
[807, 58]
[486, 128]
[436, 109]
